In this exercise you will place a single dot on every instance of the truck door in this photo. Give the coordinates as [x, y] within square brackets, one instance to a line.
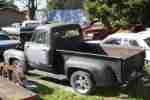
[37, 50]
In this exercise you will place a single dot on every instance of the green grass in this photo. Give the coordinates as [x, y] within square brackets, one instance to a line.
[60, 94]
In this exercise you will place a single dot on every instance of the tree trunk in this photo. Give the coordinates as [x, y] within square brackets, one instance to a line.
[32, 6]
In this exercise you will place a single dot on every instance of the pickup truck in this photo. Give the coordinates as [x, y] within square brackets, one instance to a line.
[59, 49]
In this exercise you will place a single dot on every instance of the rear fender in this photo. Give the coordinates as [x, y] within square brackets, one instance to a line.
[97, 68]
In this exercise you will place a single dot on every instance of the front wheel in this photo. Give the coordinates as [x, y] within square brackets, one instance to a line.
[82, 82]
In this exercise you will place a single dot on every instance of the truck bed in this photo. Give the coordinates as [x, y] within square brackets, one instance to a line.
[101, 50]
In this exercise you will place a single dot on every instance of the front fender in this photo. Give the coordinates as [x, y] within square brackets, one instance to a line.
[13, 54]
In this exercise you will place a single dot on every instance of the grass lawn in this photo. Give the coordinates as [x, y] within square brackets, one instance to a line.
[49, 89]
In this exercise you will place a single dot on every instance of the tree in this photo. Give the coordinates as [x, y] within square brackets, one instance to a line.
[119, 12]
[65, 4]
[31, 5]
[6, 3]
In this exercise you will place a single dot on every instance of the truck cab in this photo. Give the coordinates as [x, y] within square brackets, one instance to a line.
[46, 42]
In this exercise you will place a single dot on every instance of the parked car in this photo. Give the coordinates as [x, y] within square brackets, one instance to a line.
[6, 42]
[14, 28]
[141, 39]
[60, 49]
[17, 28]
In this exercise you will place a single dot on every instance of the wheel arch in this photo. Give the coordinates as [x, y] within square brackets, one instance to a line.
[107, 75]
[10, 61]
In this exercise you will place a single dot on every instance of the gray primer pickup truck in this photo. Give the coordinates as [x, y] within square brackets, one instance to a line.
[59, 49]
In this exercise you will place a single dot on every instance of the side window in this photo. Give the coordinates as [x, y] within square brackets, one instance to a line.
[133, 43]
[113, 41]
[40, 37]
[125, 42]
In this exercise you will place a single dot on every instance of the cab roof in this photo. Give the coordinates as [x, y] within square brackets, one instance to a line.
[54, 25]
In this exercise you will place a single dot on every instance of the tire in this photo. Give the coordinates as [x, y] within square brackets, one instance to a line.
[82, 82]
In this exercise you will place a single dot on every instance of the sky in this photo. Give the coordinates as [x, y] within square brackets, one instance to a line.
[21, 4]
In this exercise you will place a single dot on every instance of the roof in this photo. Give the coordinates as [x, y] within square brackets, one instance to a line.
[140, 35]
[52, 25]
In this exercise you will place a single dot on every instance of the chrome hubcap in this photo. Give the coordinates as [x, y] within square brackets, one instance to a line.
[82, 84]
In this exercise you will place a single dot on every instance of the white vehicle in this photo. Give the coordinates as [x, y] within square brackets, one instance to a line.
[30, 23]
[16, 27]
[141, 39]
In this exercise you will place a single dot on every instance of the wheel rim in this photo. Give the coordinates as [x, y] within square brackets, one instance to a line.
[82, 84]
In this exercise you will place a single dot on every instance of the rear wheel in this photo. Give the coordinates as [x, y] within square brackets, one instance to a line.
[82, 82]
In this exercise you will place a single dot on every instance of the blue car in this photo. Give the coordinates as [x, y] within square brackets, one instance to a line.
[6, 42]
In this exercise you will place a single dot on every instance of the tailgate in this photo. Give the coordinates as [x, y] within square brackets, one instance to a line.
[132, 64]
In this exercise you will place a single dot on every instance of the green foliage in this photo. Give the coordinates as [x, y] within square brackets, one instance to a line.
[54, 5]
[119, 13]
[116, 13]
[6, 3]
[122, 23]
[65, 4]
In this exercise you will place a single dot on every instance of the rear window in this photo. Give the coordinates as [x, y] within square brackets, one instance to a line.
[69, 32]
[147, 41]
[134, 43]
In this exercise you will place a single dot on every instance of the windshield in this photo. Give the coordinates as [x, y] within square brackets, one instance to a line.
[147, 41]
[32, 24]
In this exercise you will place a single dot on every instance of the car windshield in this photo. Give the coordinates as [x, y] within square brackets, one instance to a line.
[147, 41]
[113, 41]
[32, 25]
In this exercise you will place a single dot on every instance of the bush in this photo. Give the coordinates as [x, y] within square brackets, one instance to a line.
[119, 13]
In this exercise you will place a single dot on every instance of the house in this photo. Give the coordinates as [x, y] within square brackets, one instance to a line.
[10, 15]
